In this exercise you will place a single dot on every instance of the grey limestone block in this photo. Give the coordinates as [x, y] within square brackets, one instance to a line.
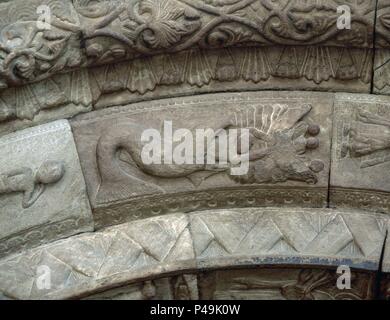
[89, 33]
[386, 254]
[180, 287]
[290, 145]
[158, 257]
[39, 38]
[42, 190]
[361, 153]
[116, 256]
[233, 69]
[283, 284]
[381, 80]
[293, 236]
[59, 97]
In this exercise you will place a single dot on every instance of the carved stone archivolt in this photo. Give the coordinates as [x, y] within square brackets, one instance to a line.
[360, 152]
[283, 284]
[179, 47]
[288, 149]
[215, 239]
[42, 191]
[123, 29]
[80, 83]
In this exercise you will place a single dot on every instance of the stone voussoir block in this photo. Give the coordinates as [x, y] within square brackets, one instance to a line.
[59, 97]
[129, 259]
[42, 190]
[289, 155]
[361, 153]
[283, 284]
[381, 80]
[84, 33]
[80, 265]
[295, 236]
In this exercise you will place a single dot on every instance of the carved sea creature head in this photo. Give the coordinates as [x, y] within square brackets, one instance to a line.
[285, 158]
[50, 172]
[286, 161]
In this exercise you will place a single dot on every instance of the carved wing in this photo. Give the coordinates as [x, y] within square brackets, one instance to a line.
[269, 119]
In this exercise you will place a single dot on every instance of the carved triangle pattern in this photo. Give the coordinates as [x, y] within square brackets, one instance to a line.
[275, 233]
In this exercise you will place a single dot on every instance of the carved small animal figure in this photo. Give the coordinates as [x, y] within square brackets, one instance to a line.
[31, 185]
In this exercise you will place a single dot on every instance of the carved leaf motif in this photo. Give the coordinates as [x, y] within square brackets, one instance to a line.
[93, 8]
[287, 66]
[346, 68]
[221, 3]
[314, 22]
[142, 77]
[317, 65]
[226, 35]
[385, 20]
[167, 22]
[197, 69]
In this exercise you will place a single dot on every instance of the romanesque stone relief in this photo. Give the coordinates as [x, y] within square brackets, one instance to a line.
[84, 33]
[382, 38]
[58, 97]
[31, 184]
[127, 258]
[381, 81]
[283, 284]
[127, 28]
[361, 152]
[85, 263]
[182, 287]
[280, 235]
[42, 192]
[288, 149]
[197, 71]
[31, 52]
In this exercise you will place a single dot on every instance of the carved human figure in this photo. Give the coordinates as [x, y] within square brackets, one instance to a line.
[31, 184]
[366, 141]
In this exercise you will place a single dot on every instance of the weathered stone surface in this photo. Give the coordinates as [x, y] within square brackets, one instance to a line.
[381, 81]
[82, 264]
[125, 27]
[385, 287]
[42, 190]
[361, 153]
[232, 69]
[290, 149]
[288, 236]
[124, 261]
[85, 33]
[61, 96]
[39, 38]
[182, 287]
[382, 38]
[386, 254]
[283, 284]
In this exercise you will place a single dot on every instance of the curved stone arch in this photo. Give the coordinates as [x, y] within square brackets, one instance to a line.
[199, 242]
[125, 74]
